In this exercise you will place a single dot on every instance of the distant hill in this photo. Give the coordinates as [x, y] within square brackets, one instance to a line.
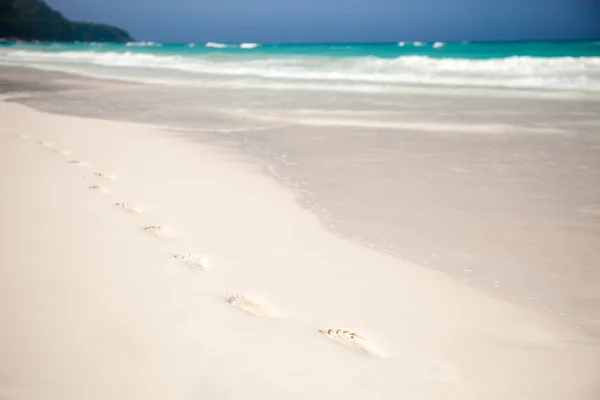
[35, 20]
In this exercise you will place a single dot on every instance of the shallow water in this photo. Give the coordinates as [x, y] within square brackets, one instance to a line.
[500, 188]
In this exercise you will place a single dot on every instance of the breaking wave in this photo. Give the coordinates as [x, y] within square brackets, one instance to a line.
[571, 73]
[143, 44]
[216, 45]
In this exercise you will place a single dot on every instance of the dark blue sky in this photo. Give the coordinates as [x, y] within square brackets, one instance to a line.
[341, 21]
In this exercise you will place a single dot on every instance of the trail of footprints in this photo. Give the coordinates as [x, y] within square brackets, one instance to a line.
[104, 175]
[159, 230]
[248, 304]
[99, 189]
[251, 306]
[353, 340]
[193, 261]
[78, 163]
[130, 207]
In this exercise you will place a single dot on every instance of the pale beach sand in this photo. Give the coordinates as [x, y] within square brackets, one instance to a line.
[92, 307]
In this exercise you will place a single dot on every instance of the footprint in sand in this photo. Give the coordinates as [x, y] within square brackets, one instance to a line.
[78, 163]
[193, 261]
[105, 176]
[251, 306]
[130, 207]
[99, 189]
[45, 144]
[62, 152]
[159, 230]
[24, 137]
[354, 341]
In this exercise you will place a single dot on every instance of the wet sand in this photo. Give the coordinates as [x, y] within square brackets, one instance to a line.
[497, 188]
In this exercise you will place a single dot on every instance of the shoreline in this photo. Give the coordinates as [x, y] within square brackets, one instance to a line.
[86, 292]
[547, 270]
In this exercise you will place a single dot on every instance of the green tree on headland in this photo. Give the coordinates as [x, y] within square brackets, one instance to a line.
[35, 20]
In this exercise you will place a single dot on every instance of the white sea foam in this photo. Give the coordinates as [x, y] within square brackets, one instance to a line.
[401, 44]
[249, 45]
[142, 44]
[574, 73]
[216, 45]
[437, 45]
[418, 44]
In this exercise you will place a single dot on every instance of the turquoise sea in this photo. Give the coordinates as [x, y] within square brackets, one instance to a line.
[348, 67]
[468, 50]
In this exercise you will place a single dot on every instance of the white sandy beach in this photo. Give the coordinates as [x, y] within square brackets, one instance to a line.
[93, 307]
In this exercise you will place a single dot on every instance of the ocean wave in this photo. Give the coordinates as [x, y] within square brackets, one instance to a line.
[216, 45]
[143, 44]
[435, 45]
[582, 73]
